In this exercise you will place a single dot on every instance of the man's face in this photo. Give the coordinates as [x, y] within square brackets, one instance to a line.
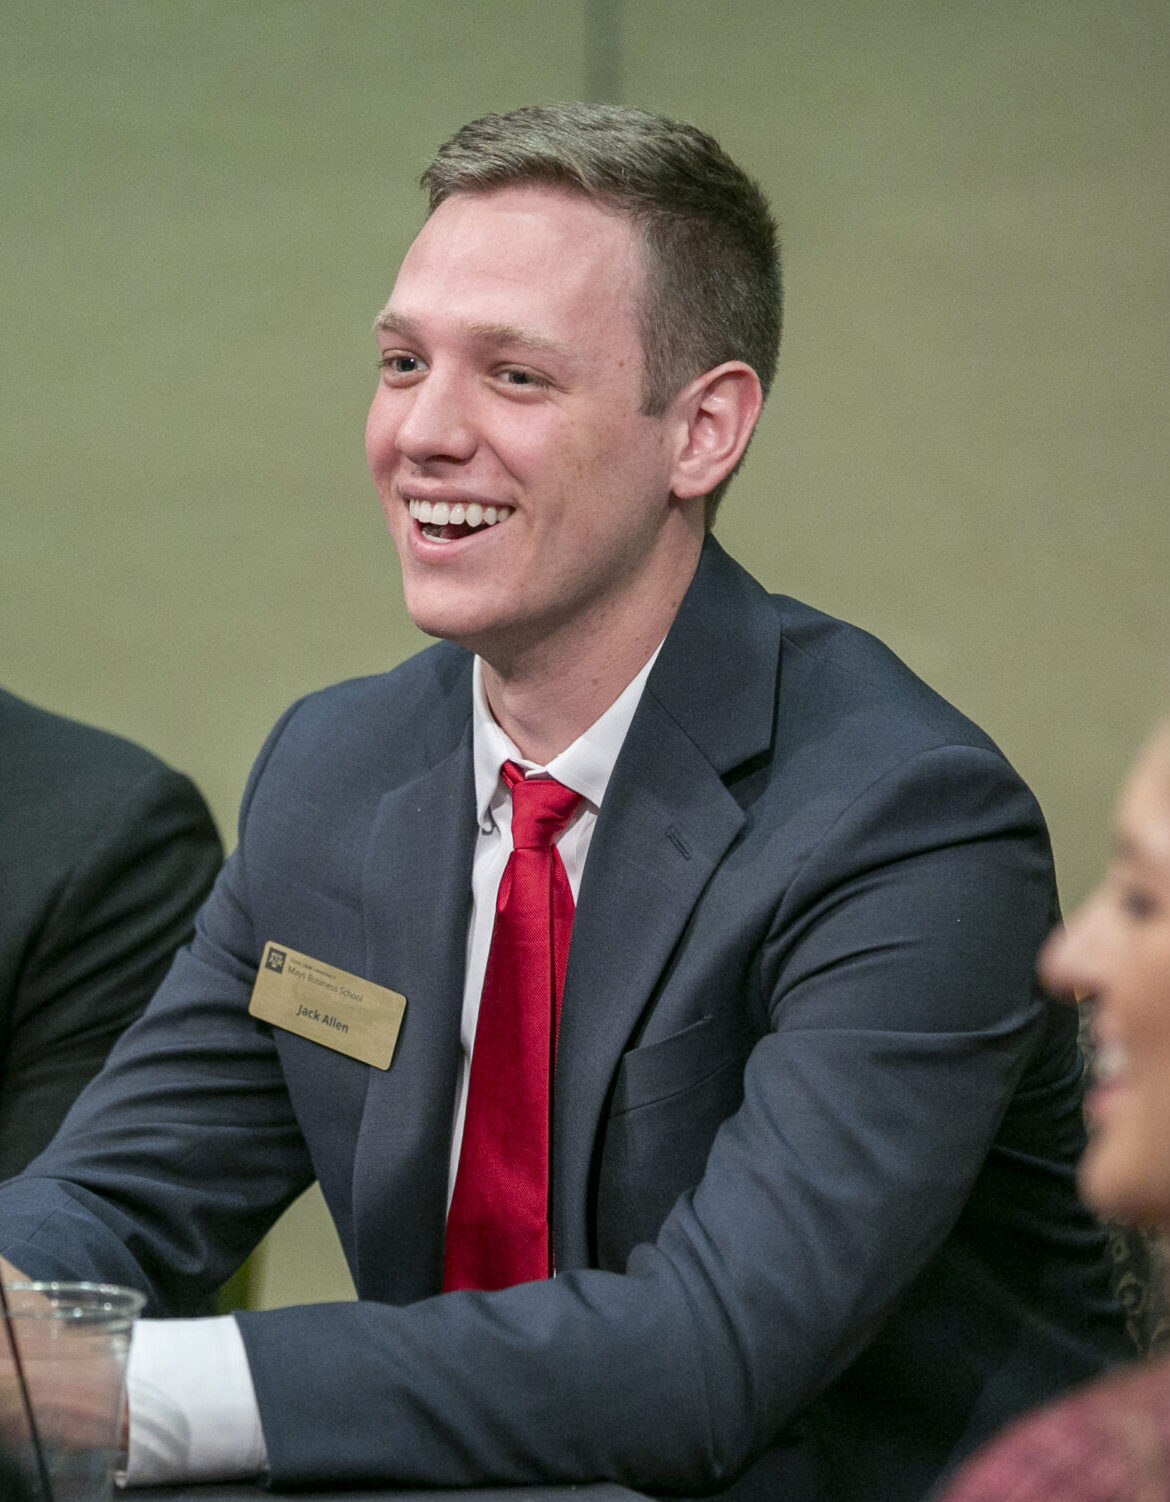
[529, 498]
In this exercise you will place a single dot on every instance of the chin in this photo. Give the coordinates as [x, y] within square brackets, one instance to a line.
[1120, 1187]
[446, 625]
[451, 618]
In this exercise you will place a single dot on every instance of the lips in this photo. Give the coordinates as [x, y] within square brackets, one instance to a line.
[445, 521]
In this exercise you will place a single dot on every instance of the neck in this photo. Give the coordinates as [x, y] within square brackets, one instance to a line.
[547, 696]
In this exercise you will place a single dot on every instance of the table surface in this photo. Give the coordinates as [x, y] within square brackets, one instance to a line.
[239, 1491]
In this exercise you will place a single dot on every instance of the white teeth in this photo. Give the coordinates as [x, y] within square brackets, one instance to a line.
[1109, 1061]
[457, 513]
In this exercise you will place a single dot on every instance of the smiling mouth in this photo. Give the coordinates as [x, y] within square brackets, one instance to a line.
[445, 521]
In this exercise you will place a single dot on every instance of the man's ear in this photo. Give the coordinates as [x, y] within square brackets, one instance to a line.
[717, 412]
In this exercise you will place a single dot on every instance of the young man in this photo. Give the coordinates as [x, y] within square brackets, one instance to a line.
[791, 1124]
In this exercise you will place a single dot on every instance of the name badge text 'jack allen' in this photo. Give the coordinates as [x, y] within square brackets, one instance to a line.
[326, 1005]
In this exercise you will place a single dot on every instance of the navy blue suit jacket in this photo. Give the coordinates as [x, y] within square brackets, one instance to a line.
[815, 1127]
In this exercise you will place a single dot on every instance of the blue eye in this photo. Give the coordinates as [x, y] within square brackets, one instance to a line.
[398, 364]
[515, 376]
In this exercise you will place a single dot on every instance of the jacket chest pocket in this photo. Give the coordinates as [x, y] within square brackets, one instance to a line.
[669, 1100]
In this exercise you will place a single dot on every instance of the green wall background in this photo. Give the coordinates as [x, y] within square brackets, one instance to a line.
[966, 450]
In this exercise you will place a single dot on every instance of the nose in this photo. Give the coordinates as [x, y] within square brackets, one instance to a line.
[1075, 961]
[437, 423]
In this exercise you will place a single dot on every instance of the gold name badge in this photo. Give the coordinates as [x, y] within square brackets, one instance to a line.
[315, 1001]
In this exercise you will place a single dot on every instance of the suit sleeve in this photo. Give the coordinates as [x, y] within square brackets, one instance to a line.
[185, 1148]
[124, 908]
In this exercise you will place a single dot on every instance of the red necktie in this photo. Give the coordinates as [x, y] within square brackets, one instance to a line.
[497, 1226]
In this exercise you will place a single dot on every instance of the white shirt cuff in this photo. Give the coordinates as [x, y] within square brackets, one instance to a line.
[193, 1413]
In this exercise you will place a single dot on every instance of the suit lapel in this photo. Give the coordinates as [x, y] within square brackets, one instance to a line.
[666, 823]
[416, 894]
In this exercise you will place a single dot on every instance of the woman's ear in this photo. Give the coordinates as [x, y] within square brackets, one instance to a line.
[719, 410]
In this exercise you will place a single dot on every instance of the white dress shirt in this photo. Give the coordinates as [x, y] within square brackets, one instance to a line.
[193, 1412]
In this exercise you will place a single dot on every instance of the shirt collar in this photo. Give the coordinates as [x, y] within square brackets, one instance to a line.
[586, 766]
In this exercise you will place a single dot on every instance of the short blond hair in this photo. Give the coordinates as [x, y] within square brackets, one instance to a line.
[713, 287]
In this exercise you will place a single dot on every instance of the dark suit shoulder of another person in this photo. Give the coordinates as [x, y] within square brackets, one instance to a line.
[105, 855]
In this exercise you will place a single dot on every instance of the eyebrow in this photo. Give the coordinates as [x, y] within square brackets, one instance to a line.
[507, 334]
[392, 323]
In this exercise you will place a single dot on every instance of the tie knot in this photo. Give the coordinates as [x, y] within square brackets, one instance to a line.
[541, 808]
